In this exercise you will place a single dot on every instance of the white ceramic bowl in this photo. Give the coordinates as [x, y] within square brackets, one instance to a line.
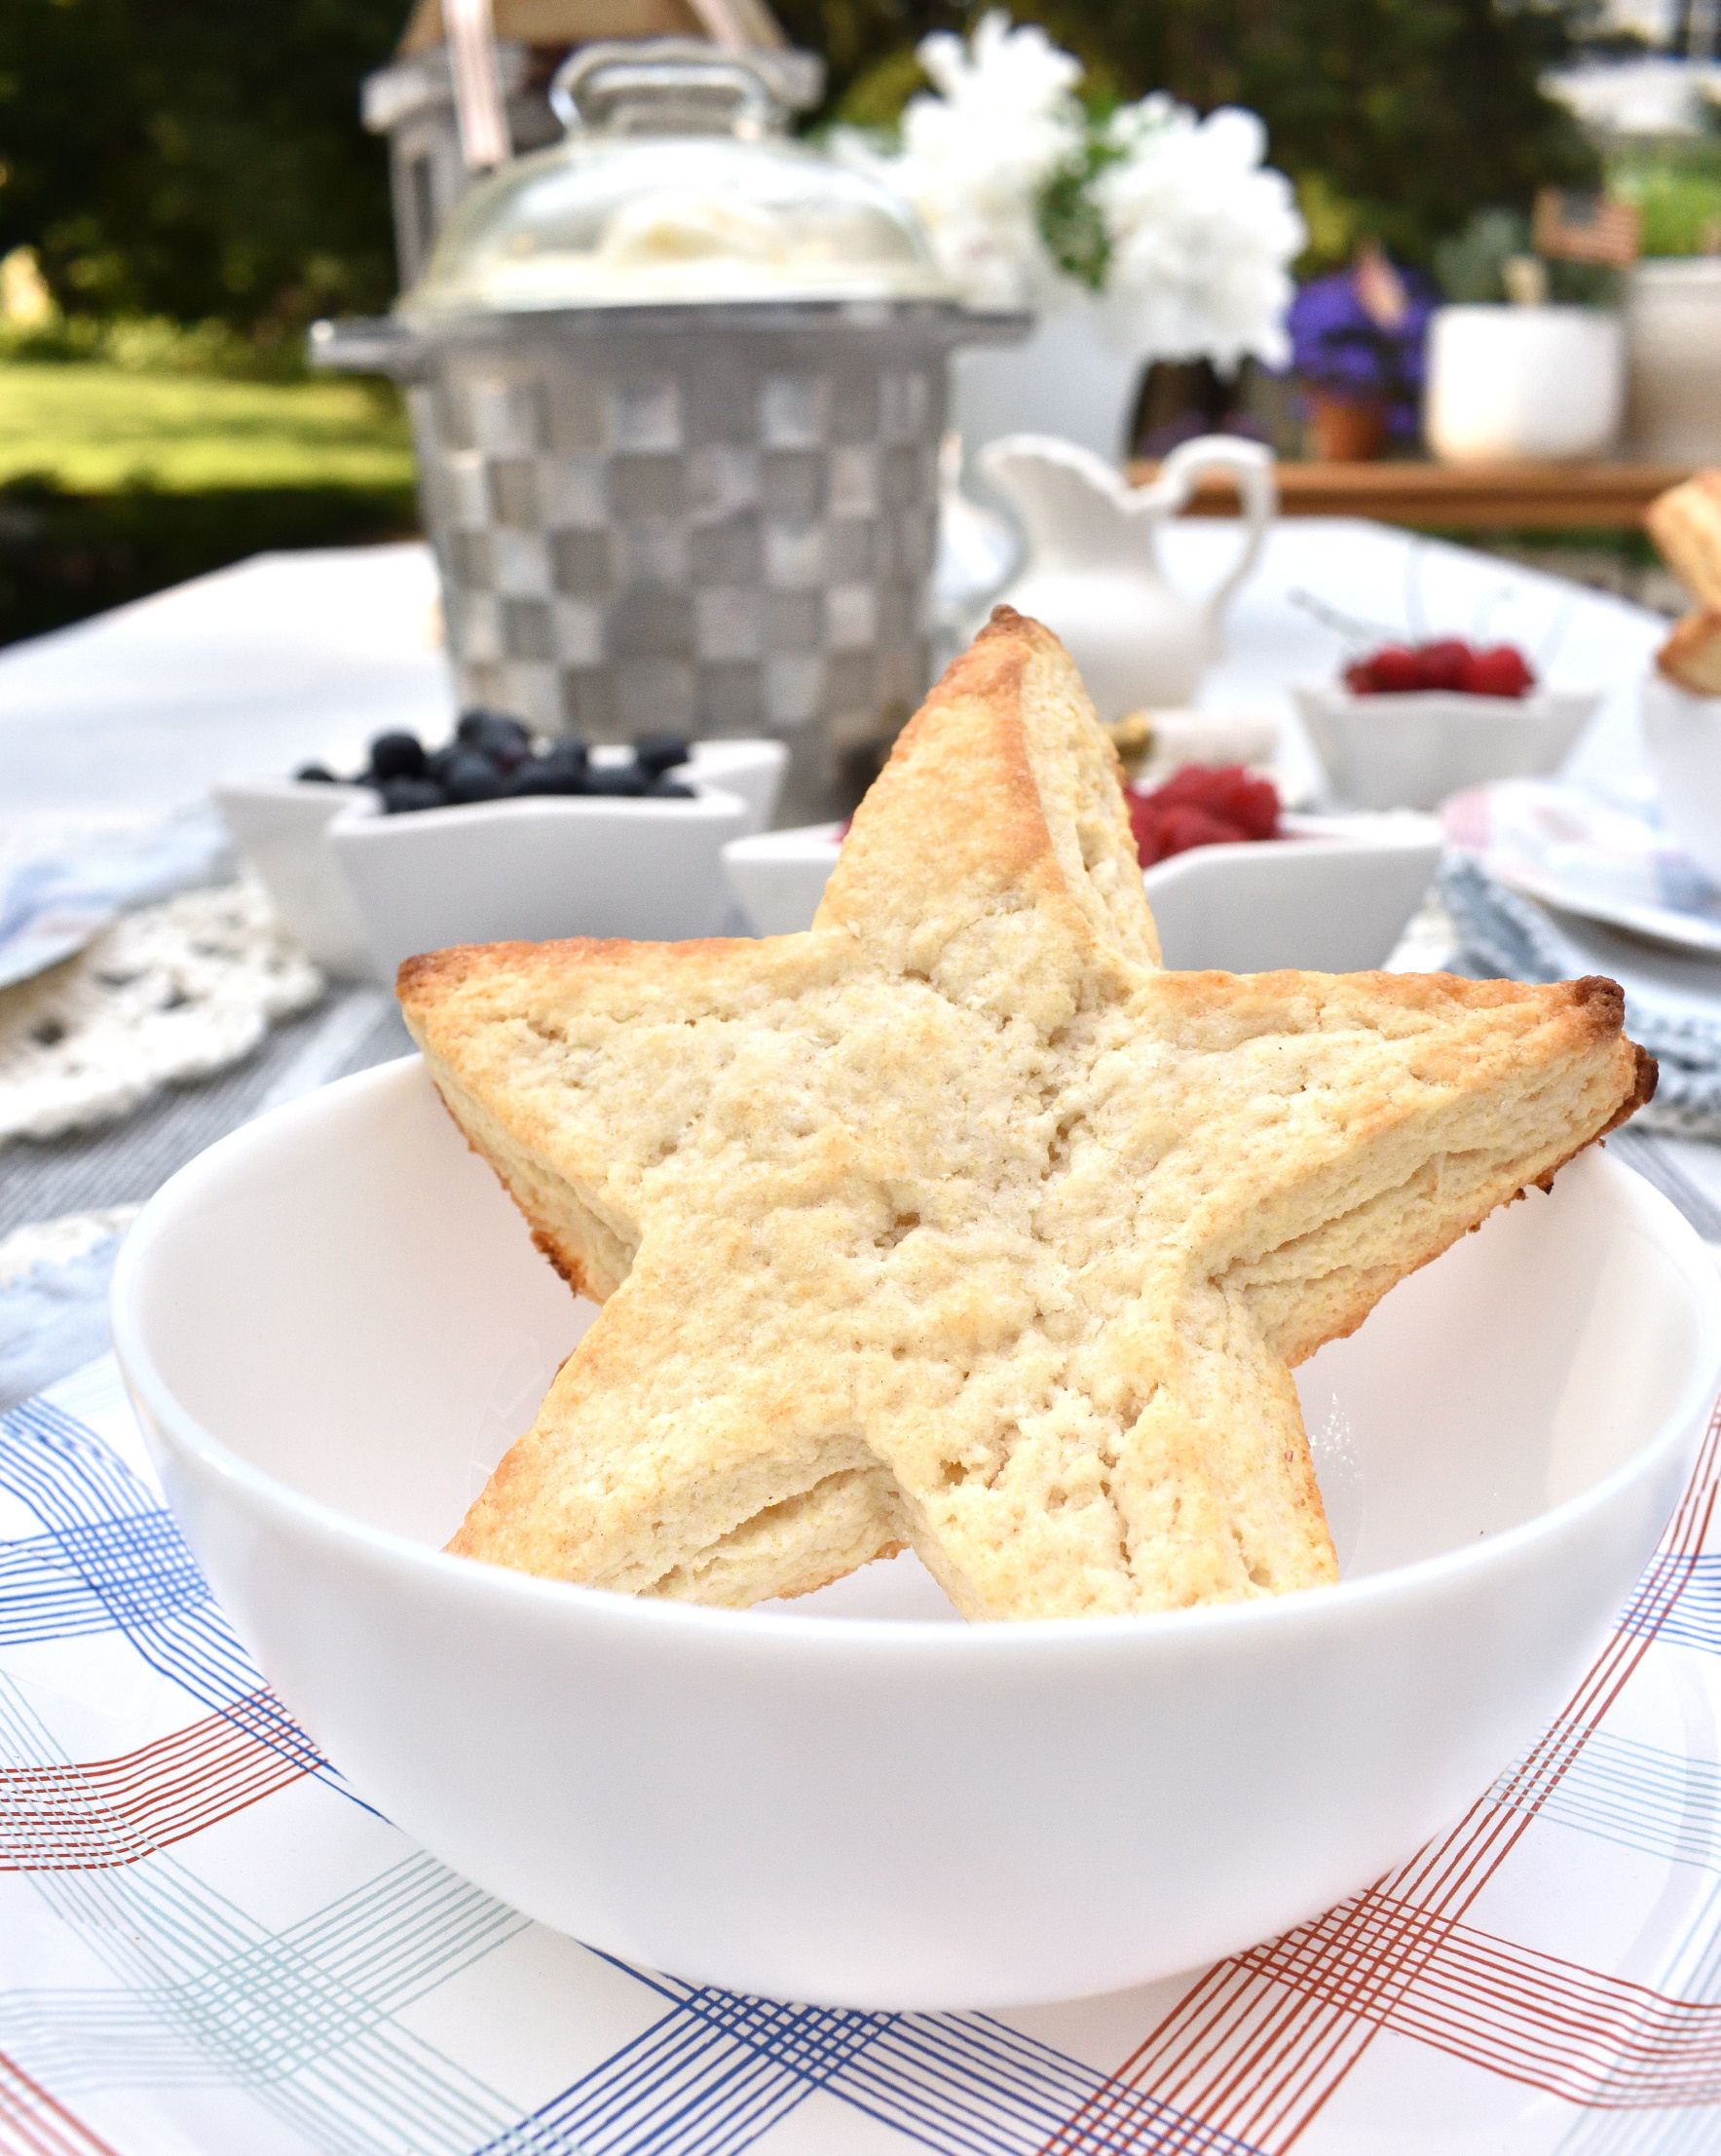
[1333, 896]
[1682, 734]
[280, 826]
[363, 890]
[1411, 751]
[333, 1322]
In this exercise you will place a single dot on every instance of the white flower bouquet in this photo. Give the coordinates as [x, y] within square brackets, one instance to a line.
[1028, 201]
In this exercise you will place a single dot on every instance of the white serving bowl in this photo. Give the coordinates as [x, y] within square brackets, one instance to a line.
[280, 825]
[1411, 751]
[1682, 736]
[332, 1323]
[363, 890]
[1332, 895]
[778, 877]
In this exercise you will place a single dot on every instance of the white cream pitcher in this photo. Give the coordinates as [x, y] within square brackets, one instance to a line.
[1093, 573]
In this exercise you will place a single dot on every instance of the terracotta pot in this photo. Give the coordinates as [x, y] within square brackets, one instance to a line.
[1346, 430]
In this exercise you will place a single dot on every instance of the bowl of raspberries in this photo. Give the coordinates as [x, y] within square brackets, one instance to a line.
[1408, 724]
[1235, 883]
[498, 833]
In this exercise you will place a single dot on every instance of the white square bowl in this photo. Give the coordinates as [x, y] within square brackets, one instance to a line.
[1332, 895]
[363, 890]
[1411, 751]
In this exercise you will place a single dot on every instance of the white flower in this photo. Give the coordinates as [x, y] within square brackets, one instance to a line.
[977, 155]
[1203, 234]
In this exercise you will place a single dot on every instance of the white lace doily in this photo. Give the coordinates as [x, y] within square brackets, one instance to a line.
[170, 993]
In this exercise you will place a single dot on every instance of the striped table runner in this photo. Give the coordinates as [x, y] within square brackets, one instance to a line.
[208, 1944]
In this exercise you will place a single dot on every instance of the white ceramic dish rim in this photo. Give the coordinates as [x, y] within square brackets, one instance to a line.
[710, 803]
[1373, 829]
[1544, 703]
[383, 1550]
[1660, 923]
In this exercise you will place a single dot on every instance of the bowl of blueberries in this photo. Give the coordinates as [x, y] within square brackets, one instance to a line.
[498, 834]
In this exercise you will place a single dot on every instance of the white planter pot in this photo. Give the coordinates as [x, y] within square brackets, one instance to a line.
[1069, 379]
[1523, 382]
[1673, 359]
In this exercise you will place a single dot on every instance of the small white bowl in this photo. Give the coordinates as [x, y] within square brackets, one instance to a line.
[1682, 736]
[333, 1322]
[280, 825]
[363, 890]
[1332, 895]
[1411, 751]
[779, 877]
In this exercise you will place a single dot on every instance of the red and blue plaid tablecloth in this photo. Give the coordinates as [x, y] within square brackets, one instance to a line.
[208, 1944]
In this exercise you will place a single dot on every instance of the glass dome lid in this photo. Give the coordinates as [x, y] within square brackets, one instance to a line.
[676, 184]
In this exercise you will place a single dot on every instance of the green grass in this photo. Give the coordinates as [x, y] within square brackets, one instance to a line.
[115, 482]
[94, 429]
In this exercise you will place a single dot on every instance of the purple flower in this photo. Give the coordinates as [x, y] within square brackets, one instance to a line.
[1351, 350]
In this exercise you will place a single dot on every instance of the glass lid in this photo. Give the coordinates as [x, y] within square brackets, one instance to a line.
[676, 183]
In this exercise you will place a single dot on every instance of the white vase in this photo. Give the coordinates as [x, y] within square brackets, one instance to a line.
[1509, 382]
[1073, 377]
[1673, 359]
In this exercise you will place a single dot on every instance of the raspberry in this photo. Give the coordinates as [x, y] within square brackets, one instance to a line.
[1442, 665]
[1391, 672]
[1501, 671]
[1226, 791]
[1163, 829]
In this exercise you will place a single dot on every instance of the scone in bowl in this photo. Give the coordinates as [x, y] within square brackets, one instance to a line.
[333, 1323]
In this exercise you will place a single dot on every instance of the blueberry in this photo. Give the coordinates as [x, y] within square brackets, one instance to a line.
[657, 753]
[670, 789]
[471, 777]
[315, 775]
[539, 775]
[505, 740]
[397, 756]
[402, 796]
[626, 780]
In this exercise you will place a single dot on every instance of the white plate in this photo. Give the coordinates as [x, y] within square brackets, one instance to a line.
[1684, 931]
[1588, 857]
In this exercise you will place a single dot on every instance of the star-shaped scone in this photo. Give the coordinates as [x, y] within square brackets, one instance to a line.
[956, 1222]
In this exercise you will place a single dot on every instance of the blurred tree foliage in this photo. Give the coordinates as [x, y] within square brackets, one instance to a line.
[194, 159]
[1397, 118]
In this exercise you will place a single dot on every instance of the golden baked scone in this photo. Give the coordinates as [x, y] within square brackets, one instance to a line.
[1685, 523]
[956, 1220]
[1692, 654]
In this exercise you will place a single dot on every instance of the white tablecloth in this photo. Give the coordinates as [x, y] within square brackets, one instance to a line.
[288, 657]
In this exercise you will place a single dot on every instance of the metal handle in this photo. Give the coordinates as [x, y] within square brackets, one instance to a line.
[607, 72]
[1251, 465]
[378, 344]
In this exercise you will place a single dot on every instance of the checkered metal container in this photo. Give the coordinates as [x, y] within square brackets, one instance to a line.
[713, 516]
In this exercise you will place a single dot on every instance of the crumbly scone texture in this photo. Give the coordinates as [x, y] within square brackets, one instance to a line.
[1685, 523]
[955, 1222]
[1690, 656]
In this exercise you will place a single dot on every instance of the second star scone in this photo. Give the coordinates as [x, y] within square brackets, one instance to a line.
[956, 1222]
